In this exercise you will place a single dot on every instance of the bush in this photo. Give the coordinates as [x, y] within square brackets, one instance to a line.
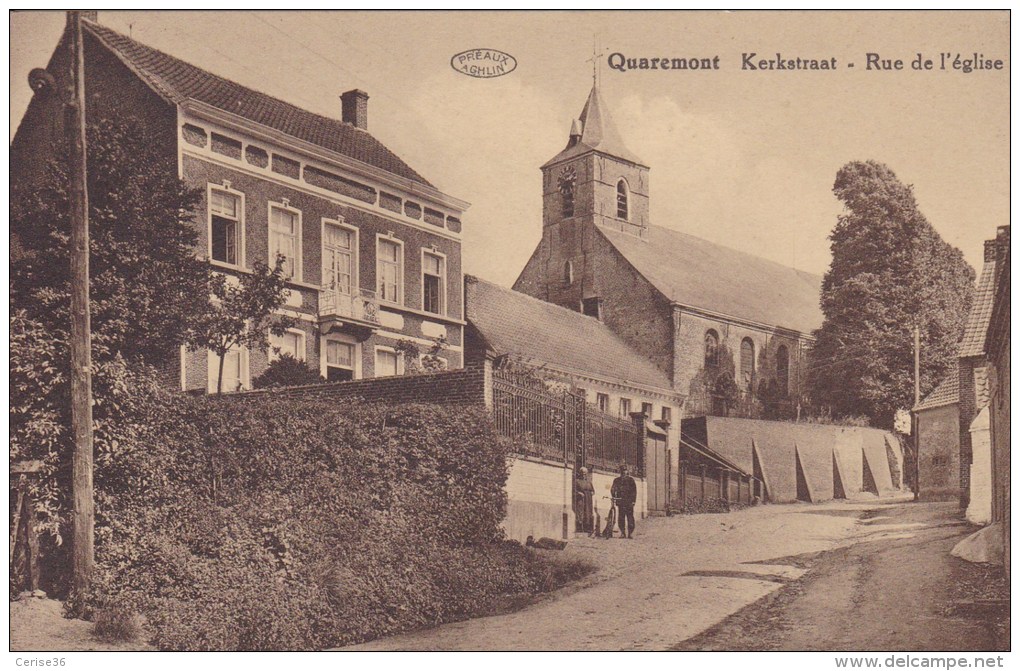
[262, 523]
[118, 624]
[286, 371]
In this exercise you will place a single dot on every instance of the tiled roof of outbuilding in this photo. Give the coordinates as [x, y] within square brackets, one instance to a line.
[515, 323]
[178, 81]
[695, 272]
[946, 393]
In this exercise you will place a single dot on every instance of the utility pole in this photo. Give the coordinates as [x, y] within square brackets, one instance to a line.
[913, 416]
[82, 550]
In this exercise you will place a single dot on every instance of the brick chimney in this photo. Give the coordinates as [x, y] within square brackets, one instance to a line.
[990, 246]
[354, 106]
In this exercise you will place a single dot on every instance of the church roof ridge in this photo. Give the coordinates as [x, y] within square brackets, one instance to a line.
[703, 274]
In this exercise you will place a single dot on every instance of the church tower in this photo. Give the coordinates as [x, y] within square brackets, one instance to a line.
[595, 182]
[596, 178]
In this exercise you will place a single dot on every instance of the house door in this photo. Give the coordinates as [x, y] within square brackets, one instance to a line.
[657, 473]
[338, 259]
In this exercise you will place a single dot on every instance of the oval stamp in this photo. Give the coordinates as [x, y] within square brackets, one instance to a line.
[483, 63]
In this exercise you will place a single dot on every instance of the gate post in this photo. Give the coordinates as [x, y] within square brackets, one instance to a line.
[642, 440]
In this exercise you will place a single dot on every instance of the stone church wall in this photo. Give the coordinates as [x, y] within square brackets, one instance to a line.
[691, 375]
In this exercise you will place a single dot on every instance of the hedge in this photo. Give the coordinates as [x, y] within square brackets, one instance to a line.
[265, 523]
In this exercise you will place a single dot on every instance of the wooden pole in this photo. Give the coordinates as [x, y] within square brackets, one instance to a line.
[914, 424]
[82, 551]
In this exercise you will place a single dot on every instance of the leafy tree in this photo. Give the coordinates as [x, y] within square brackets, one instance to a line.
[147, 284]
[240, 313]
[890, 271]
[286, 371]
[415, 362]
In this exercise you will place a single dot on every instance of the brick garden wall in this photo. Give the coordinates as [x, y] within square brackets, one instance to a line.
[466, 386]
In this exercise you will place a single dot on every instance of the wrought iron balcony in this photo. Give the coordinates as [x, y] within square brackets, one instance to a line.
[359, 308]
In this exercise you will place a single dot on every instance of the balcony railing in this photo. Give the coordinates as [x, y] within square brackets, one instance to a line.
[362, 306]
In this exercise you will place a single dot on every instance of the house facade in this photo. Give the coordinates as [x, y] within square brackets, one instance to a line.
[582, 355]
[973, 371]
[372, 250]
[731, 331]
[997, 341]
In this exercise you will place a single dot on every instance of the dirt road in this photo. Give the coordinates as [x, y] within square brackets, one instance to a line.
[679, 577]
[896, 588]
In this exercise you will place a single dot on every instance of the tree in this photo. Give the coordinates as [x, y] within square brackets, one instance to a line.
[286, 371]
[147, 283]
[890, 271]
[240, 313]
[415, 362]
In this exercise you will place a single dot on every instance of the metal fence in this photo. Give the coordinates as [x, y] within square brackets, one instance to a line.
[561, 426]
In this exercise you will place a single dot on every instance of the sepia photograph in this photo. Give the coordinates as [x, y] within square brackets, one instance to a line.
[369, 331]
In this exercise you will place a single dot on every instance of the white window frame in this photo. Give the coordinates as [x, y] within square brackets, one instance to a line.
[355, 252]
[299, 250]
[213, 362]
[630, 407]
[442, 280]
[302, 346]
[324, 354]
[379, 238]
[598, 401]
[225, 188]
[389, 350]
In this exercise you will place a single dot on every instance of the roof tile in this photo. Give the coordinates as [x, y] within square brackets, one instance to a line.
[973, 342]
[515, 323]
[946, 393]
[699, 273]
[179, 81]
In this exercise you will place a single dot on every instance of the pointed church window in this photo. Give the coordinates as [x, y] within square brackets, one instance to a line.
[622, 201]
[711, 349]
[568, 273]
[747, 362]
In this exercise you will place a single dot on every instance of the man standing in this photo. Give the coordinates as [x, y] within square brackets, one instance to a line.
[625, 492]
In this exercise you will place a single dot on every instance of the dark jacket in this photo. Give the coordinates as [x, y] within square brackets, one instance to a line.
[625, 489]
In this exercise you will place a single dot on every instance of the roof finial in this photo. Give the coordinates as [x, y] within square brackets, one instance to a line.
[596, 56]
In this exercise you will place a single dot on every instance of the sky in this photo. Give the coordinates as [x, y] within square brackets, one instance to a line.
[743, 158]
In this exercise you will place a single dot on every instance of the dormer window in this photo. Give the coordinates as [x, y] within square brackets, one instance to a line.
[622, 201]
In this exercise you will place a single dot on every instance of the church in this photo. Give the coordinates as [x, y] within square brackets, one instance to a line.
[729, 330]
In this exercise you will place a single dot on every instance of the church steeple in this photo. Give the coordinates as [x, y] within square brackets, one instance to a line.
[596, 178]
[598, 133]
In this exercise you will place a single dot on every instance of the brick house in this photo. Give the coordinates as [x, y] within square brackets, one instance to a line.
[727, 328]
[373, 249]
[997, 347]
[585, 356]
[938, 441]
[973, 365]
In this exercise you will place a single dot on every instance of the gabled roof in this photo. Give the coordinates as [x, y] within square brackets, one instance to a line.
[515, 323]
[701, 274]
[178, 81]
[973, 341]
[946, 393]
[598, 133]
